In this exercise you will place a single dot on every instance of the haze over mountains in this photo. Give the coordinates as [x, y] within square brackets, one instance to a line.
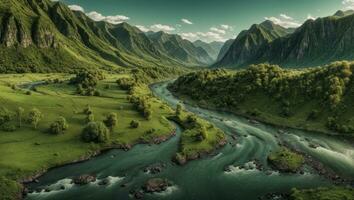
[41, 36]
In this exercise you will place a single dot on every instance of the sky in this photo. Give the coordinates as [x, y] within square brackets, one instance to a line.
[208, 20]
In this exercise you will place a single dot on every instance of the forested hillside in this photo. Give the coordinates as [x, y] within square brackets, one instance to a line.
[46, 36]
[316, 98]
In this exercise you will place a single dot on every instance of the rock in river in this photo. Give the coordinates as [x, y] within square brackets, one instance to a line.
[156, 185]
[84, 179]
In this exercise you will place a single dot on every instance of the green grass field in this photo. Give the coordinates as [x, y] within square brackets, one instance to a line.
[26, 151]
[334, 193]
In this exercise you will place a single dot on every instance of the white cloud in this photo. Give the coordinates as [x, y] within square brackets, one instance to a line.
[186, 21]
[285, 21]
[206, 36]
[189, 36]
[217, 30]
[116, 19]
[309, 16]
[161, 27]
[284, 16]
[348, 4]
[76, 8]
[143, 28]
[225, 26]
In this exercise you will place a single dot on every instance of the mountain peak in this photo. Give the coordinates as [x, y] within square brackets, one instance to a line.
[343, 13]
[268, 23]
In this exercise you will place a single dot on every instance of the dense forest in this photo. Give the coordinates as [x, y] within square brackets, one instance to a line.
[321, 97]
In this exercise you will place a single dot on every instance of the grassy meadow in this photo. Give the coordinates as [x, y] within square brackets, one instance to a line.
[27, 150]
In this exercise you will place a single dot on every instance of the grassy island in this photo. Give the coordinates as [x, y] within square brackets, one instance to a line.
[333, 193]
[198, 138]
[285, 160]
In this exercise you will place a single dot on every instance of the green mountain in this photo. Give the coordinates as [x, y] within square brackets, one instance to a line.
[316, 42]
[45, 36]
[212, 48]
[180, 49]
[343, 13]
[320, 99]
[249, 43]
[224, 49]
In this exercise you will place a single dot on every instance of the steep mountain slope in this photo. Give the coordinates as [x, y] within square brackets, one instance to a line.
[180, 49]
[316, 42]
[224, 49]
[43, 36]
[319, 99]
[248, 43]
[212, 48]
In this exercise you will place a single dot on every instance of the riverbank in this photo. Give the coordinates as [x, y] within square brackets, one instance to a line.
[28, 153]
[256, 119]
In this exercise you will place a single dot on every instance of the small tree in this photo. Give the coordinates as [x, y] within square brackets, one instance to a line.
[90, 118]
[202, 135]
[95, 132]
[59, 126]
[134, 124]
[111, 121]
[147, 113]
[35, 117]
[19, 113]
[179, 109]
[88, 110]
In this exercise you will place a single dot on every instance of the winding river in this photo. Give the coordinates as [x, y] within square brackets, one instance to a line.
[205, 178]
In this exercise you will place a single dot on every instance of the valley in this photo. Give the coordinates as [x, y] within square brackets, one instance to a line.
[101, 106]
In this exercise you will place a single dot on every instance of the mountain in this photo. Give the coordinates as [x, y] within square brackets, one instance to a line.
[45, 36]
[212, 48]
[224, 49]
[248, 43]
[314, 43]
[343, 13]
[319, 98]
[180, 49]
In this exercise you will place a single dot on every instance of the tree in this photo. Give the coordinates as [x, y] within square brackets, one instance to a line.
[90, 118]
[202, 135]
[35, 117]
[179, 109]
[147, 113]
[88, 110]
[95, 132]
[134, 124]
[59, 126]
[111, 121]
[19, 113]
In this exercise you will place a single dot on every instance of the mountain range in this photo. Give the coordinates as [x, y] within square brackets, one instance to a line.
[314, 43]
[46, 36]
[180, 49]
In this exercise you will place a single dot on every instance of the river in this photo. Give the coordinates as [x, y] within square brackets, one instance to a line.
[205, 178]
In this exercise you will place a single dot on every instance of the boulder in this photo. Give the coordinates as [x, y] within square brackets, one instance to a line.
[84, 179]
[156, 185]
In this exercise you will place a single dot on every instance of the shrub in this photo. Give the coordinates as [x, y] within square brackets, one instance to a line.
[87, 110]
[111, 121]
[95, 132]
[59, 126]
[90, 118]
[34, 117]
[150, 131]
[9, 128]
[134, 124]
